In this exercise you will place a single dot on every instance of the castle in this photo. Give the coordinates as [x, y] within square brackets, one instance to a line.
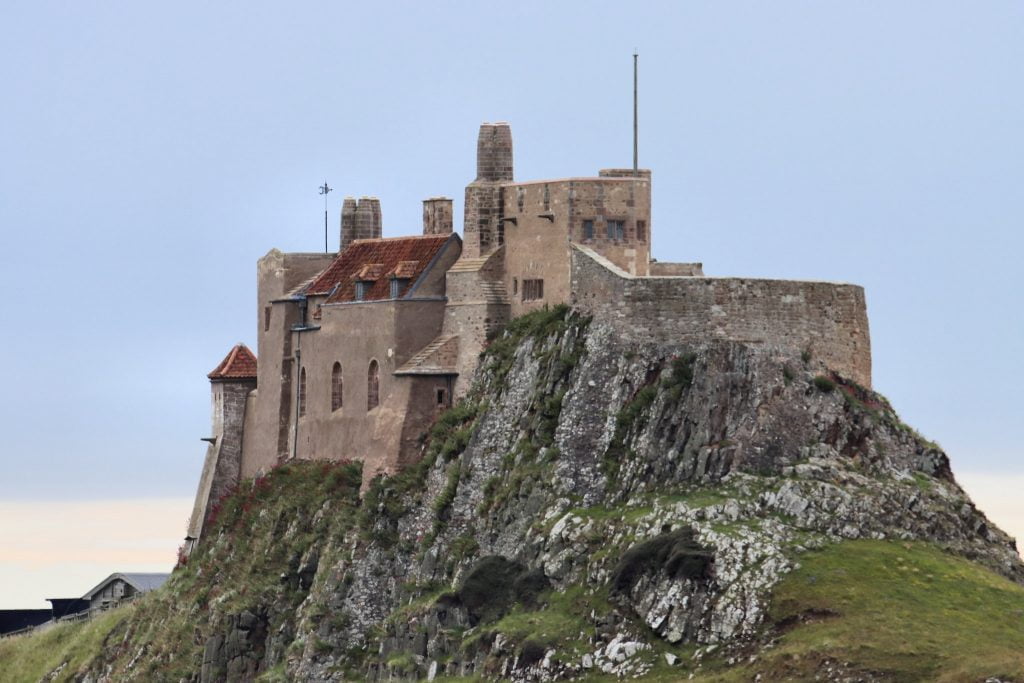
[359, 351]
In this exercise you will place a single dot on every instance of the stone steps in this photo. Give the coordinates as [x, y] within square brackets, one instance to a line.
[419, 363]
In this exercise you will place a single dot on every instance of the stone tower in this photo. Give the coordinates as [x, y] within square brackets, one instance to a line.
[360, 220]
[230, 384]
[482, 229]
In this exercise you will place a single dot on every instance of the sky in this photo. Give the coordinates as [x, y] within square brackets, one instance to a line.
[151, 153]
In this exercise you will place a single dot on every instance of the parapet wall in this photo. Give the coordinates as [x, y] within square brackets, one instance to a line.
[829, 320]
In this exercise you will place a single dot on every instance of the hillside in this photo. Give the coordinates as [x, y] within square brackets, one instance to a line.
[595, 511]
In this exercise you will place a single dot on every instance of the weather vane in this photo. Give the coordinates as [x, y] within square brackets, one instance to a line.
[324, 189]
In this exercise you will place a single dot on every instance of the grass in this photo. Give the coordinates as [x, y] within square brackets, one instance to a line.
[32, 656]
[562, 620]
[906, 609]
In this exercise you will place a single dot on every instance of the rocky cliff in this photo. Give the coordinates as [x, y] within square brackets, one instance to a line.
[591, 509]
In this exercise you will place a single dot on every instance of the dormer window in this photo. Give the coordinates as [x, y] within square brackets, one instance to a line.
[362, 289]
[397, 286]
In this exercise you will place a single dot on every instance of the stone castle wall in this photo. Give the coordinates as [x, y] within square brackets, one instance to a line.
[828, 320]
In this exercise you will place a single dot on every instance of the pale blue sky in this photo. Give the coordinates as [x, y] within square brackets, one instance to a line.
[150, 153]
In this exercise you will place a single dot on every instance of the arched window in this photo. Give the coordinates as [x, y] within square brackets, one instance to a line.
[302, 392]
[336, 386]
[373, 386]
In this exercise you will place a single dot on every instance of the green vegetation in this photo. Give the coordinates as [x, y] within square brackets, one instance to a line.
[562, 620]
[635, 413]
[907, 610]
[675, 553]
[31, 656]
[494, 585]
[823, 383]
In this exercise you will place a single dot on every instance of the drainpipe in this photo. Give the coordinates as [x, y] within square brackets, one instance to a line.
[298, 329]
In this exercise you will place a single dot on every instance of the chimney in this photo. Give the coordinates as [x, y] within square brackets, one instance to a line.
[437, 216]
[494, 152]
[366, 219]
[348, 222]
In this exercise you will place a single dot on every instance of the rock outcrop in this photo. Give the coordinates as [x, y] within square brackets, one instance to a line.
[588, 505]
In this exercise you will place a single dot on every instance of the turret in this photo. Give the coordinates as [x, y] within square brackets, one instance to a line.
[230, 384]
[482, 229]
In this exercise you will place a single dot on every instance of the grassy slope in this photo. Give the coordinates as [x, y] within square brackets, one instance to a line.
[900, 611]
[905, 608]
[32, 656]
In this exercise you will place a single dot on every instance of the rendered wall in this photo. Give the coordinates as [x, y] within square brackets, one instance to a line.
[353, 334]
[277, 274]
[827, 319]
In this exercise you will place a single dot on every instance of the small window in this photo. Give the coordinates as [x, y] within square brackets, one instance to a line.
[336, 387]
[533, 290]
[361, 290]
[373, 386]
[266, 318]
[441, 398]
[616, 229]
[515, 286]
[397, 285]
[302, 392]
[588, 230]
[641, 231]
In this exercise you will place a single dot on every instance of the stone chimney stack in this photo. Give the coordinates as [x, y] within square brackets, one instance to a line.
[482, 227]
[494, 152]
[360, 220]
[348, 222]
[437, 216]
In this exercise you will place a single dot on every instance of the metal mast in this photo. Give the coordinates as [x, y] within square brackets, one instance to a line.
[324, 190]
[636, 170]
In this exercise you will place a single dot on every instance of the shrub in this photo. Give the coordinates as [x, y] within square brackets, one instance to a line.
[676, 553]
[494, 585]
[824, 383]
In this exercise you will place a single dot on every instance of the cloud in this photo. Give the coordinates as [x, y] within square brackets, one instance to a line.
[62, 549]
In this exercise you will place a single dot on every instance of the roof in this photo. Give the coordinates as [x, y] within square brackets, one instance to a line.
[376, 261]
[240, 363]
[140, 582]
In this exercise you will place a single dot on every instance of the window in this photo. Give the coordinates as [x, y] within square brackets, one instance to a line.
[441, 398]
[515, 286]
[641, 231]
[336, 386]
[302, 392]
[533, 290]
[373, 386]
[361, 289]
[397, 285]
[266, 318]
[588, 230]
[616, 229]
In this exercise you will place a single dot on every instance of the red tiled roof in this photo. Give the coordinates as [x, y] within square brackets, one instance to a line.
[370, 260]
[240, 363]
[405, 269]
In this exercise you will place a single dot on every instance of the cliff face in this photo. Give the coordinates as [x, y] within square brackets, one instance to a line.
[591, 507]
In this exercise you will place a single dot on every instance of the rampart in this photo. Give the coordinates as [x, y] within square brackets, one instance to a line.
[827, 320]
